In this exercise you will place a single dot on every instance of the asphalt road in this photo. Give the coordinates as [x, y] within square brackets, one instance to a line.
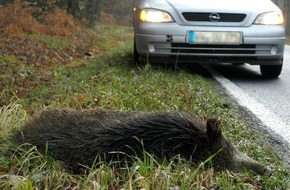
[269, 99]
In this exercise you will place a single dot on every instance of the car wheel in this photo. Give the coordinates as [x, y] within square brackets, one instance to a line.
[271, 71]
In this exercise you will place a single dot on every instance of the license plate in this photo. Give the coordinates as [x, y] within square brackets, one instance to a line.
[201, 37]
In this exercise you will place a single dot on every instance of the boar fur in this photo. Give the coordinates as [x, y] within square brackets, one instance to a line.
[78, 137]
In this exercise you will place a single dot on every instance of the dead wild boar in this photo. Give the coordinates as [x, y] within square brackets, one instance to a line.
[78, 137]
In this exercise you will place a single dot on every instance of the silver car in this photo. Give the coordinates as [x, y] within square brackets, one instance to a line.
[210, 31]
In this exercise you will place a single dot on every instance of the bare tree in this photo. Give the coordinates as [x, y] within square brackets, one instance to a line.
[73, 7]
[92, 12]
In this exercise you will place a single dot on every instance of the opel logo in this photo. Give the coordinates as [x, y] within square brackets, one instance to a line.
[214, 17]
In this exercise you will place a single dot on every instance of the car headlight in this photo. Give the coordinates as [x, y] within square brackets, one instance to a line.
[153, 15]
[271, 18]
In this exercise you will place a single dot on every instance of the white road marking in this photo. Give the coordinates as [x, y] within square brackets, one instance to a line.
[272, 122]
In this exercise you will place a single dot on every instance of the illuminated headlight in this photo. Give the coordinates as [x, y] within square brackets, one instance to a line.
[153, 15]
[271, 18]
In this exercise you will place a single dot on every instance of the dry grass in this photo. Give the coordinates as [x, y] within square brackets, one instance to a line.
[18, 18]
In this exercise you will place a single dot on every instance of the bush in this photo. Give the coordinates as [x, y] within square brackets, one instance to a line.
[18, 18]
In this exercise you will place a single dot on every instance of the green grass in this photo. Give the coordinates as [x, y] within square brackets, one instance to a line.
[110, 81]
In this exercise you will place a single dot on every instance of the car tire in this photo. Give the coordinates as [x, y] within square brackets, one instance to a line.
[271, 71]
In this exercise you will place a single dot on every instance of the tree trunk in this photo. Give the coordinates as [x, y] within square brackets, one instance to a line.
[92, 12]
[73, 7]
[3, 2]
[62, 4]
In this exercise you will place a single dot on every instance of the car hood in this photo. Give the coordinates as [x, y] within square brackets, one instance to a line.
[259, 6]
[252, 8]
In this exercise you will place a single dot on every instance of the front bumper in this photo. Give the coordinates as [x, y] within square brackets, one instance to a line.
[259, 45]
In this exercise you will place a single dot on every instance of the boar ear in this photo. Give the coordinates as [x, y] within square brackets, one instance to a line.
[213, 127]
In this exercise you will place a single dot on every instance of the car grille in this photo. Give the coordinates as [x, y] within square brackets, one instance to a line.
[184, 48]
[205, 17]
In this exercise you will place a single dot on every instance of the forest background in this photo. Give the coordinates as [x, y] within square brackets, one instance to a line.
[89, 12]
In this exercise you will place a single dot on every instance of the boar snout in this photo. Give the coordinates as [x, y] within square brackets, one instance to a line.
[252, 165]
